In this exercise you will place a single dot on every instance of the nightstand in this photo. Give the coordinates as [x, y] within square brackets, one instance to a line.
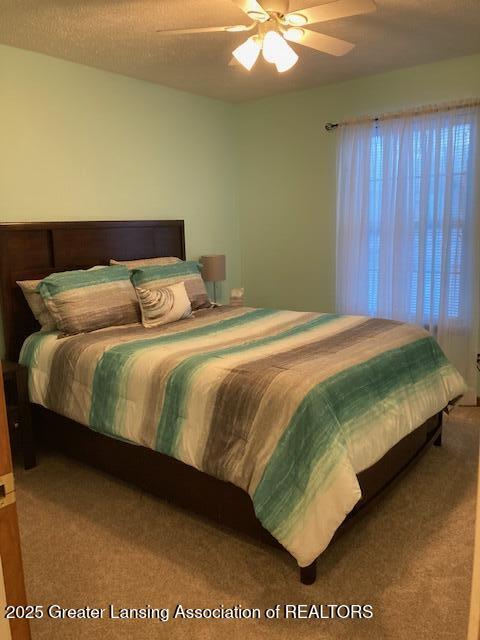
[15, 380]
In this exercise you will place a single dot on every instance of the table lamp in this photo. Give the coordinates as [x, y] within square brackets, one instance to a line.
[213, 270]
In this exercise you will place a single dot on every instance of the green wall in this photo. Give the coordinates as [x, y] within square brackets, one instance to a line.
[287, 178]
[77, 143]
[255, 180]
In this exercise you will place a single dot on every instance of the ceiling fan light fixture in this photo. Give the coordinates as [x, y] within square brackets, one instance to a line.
[248, 52]
[276, 50]
[296, 19]
[272, 41]
[258, 16]
[294, 34]
[287, 61]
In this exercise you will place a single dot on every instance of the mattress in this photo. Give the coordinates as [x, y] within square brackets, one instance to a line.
[289, 406]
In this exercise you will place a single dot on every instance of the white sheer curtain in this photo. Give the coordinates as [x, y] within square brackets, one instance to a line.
[407, 226]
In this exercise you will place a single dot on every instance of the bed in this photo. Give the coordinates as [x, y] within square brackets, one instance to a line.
[282, 424]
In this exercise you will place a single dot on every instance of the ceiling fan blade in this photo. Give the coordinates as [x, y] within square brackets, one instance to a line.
[231, 29]
[251, 8]
[320, 42]
[336, 10]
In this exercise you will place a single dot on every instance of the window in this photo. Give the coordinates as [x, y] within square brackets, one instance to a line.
[407, 225]
[427, 266]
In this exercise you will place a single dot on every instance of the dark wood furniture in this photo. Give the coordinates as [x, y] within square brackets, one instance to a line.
[33, 251]
[15, 380]
[29, 251]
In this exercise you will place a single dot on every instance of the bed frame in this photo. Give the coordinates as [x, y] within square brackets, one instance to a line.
[33, 251]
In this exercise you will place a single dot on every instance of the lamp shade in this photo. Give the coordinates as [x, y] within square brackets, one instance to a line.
[213, 268]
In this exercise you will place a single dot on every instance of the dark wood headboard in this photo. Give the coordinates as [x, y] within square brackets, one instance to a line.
[34, 250]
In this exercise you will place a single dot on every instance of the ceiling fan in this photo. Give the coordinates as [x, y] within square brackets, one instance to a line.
[273, 25]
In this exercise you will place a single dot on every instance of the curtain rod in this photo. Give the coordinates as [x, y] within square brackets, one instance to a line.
[449, 106]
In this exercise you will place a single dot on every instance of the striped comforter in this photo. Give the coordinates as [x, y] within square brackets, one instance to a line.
[289, 406]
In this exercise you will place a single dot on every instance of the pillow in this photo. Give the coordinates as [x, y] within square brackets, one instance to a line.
[164, 305]
[146, 262]
[81, 301]
[158, 277]
[37, 305]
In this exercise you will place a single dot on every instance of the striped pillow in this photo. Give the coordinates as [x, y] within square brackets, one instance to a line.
[163, 276]
[81, 301]
[165, 305]
[37, 305]
[146, 262]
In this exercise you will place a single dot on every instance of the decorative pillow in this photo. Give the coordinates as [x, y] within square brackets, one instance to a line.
[164, 305]
[146, 262]
[163, 276]
[81, 301]
[37, 305]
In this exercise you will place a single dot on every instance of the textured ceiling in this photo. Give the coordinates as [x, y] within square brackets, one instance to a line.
[120, 36]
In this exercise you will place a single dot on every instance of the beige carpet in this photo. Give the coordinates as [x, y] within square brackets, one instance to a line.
[91, 540]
